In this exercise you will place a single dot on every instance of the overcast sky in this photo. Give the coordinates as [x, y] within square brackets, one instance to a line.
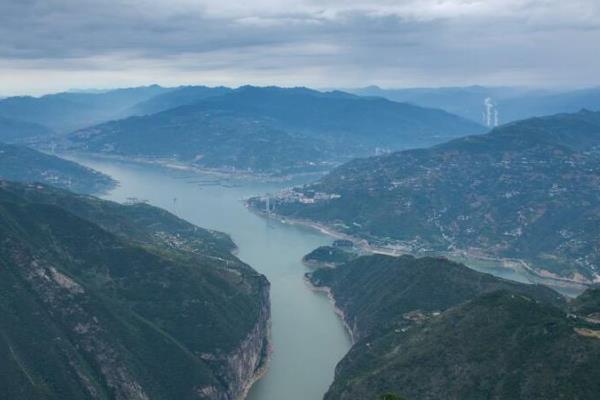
[50, 45]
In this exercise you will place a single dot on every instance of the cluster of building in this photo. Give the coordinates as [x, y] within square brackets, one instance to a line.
[308, 197]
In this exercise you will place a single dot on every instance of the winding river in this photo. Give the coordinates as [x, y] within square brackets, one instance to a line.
[308, 337]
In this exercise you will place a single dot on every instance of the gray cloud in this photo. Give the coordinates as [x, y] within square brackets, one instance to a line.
[54, 44]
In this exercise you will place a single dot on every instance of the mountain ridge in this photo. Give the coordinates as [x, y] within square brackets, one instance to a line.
[527, 191]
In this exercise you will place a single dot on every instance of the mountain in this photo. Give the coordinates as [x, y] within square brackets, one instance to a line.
[432, 329]
[344, 117]
[17, 131]
[588, 303]
[512, 103]
[207, 139]
[180, 96]
[68, 111]
[375, 292]
[468, 102]
[108, 301]
[527, 190]
[19, 163]
[272, 130]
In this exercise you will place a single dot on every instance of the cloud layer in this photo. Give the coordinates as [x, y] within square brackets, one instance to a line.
[55, 44]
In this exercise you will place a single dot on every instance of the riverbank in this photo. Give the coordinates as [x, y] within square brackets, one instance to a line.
[218, 173]
[338, 311]
[569, 287]
[308, 338]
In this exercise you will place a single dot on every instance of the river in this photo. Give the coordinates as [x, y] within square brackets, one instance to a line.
[308, 337]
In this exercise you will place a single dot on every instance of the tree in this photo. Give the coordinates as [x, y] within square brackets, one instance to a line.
[391, 396]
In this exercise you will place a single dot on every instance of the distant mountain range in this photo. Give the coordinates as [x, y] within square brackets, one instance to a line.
[271, 129]
[19, 163]
[512, 103]
[12, 130]
[108, 301]
[177, 97]
[69, 111]
[529, 190]
[66, 112]
[432, 329]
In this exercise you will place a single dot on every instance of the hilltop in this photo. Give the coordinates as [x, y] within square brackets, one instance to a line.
[527, 190]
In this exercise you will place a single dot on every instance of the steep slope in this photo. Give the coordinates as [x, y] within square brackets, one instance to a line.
[99, 304]
[272, 130]
[65, 112]
[15, 131]
[375, 292]
[527, 190]
[19, 163]
[433, 329]
[588, 304]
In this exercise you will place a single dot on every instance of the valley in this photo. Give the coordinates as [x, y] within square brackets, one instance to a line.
[308, 339]
[306, 331]
[299, 200]
[330, 240]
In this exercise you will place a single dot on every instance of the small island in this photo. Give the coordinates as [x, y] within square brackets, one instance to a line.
[338, 253]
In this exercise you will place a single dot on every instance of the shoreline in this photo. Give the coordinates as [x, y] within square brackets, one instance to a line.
[338, 311]
[261, 371]
[516, 265]
[175, 165]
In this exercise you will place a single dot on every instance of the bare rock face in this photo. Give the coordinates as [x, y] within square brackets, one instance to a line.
[244, 366]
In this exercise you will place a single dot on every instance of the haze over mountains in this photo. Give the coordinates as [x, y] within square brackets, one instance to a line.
[527, 190]
[12, 130]
[272, 130]
[434, 237]
[512, 103]
[20, 163]
[68, 111]
[148, 306]
[266, 130]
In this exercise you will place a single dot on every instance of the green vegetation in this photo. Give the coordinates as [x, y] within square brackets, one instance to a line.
[588, 303]
[433, 329]
[18, 163]
[329, 256]
[270, 130]
[391, 397]
[375, 292]
[100, 300]
[527, 190]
